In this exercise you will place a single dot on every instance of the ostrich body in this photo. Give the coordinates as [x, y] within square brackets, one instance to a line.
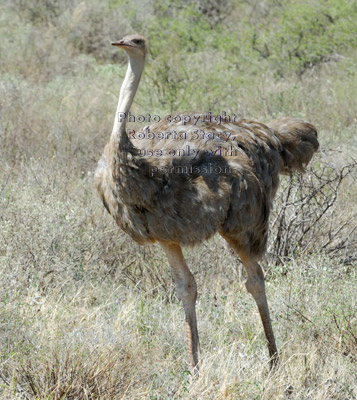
[222, 184]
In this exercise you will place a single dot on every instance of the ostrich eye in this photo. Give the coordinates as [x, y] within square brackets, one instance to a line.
[137, 41]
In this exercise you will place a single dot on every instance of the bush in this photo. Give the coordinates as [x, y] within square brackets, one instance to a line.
[306, 33]
[305, 220]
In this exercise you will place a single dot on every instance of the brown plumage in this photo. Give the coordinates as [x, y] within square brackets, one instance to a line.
[179, 184]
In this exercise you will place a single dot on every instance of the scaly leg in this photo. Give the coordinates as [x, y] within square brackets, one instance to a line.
[187, 292]
[256, 287]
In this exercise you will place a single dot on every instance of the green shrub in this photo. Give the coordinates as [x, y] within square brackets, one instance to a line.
[306, 33]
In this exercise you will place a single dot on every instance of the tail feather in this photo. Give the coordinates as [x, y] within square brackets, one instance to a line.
[299, 142]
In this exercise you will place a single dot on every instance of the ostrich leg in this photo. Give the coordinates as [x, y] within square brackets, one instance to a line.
[256, 287]
[187, 292]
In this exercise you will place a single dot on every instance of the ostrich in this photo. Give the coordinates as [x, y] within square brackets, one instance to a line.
[225, 183]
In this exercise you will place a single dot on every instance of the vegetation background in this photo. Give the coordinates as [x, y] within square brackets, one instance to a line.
[85, 313]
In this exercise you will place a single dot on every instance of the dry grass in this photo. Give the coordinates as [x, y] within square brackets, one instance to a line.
[107, 340]
[85, 313]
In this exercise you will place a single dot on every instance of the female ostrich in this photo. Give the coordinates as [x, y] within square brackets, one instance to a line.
[224, 183]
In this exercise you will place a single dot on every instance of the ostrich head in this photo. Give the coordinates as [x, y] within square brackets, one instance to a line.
[134, 45]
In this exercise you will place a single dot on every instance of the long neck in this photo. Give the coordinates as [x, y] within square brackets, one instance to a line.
[126, 96]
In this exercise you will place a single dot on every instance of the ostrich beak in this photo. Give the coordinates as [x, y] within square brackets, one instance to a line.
[118, 43]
